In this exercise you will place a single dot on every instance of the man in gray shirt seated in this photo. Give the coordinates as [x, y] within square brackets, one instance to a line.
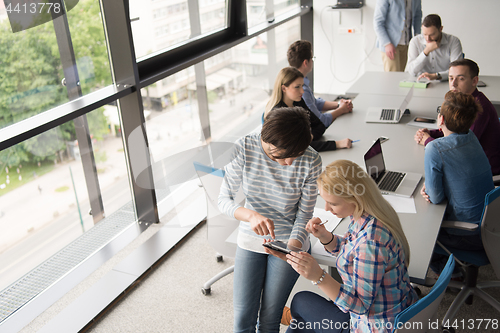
[431, 52]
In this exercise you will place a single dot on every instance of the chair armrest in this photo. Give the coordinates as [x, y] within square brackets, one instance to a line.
[459, 225]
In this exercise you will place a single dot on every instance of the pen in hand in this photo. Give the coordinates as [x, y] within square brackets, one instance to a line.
[323, 222]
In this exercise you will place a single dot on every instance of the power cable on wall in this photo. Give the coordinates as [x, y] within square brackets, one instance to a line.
[332, 59]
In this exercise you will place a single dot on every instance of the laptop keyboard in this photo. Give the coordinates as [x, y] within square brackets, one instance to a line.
[391, 181]
[388, 114]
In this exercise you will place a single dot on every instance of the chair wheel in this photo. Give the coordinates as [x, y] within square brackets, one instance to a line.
[448, 330]
[220, 258]
[206, 292]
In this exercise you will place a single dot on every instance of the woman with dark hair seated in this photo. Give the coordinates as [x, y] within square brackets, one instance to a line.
[457, 169]
[288, 92]
[277, 171]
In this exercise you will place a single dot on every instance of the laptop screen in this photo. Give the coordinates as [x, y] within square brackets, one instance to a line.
[374, 161]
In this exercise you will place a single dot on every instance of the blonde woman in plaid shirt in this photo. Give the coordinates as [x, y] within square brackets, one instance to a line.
[372, 260]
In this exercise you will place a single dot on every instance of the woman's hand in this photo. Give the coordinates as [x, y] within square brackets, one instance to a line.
[277, 254]
[344, 143]
[261, 225]
[304, 264]
[318, 231]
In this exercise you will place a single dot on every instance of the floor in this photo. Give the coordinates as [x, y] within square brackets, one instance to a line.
[169, 298]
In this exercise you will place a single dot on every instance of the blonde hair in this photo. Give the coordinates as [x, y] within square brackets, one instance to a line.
[285, 77]
[347, 180]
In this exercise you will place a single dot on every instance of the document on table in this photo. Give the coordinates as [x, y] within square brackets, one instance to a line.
[401, 204]
[333, 222]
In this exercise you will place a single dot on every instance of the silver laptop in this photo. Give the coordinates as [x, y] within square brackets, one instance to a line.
[377, 114]
[389, 182]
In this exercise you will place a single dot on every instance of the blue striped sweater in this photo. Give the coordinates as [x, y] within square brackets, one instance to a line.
[284, 194]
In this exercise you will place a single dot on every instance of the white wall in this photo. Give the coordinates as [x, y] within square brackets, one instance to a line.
[342, 58]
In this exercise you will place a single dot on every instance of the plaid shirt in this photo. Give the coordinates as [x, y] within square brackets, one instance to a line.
[376, 283]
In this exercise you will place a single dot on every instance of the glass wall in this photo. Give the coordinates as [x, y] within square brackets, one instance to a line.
[34, 66]
[286, 34]
[237, 87]
[257, 9]
[174, 132]
[213, 15]
[161, 24]
[44, 202]
[34, 71]
[46, 173]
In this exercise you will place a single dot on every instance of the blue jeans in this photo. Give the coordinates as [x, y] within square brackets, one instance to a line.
[312, 313]
[262, 284]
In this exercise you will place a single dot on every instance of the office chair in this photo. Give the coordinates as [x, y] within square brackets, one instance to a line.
[421, 316]
[221, 229]
[472, 260]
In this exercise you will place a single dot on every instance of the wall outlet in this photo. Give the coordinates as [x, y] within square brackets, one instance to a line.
[349, 31]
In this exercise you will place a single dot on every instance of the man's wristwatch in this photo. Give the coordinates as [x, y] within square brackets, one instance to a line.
[438, 76]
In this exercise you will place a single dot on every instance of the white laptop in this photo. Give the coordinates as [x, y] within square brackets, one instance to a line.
[377, 114]
[389, 182]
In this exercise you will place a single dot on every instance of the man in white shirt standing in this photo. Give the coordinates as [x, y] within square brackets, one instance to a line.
[431, 52]
[393, 21]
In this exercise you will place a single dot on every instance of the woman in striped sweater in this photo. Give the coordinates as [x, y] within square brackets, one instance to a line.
[277, 171]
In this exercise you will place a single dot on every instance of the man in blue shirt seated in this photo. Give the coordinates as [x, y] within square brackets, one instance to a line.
[300, 56]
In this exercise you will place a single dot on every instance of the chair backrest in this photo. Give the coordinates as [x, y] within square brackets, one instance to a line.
[221, 229]
[490, 228]
[421, 316]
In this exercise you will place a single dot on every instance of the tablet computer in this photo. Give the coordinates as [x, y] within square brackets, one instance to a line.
[281, 247]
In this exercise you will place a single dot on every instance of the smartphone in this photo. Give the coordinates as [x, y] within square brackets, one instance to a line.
[425, 120]
[281, 247]
[383, 139]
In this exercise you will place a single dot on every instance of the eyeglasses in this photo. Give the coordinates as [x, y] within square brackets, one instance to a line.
[438, 109]
[313, 58]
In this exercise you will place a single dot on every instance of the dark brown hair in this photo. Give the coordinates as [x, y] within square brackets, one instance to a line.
[432, 20]
[473, 67]
[459, 111]
[298, 52]
[289, 130]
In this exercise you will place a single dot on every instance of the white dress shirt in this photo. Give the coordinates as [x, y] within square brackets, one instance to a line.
[438, 61]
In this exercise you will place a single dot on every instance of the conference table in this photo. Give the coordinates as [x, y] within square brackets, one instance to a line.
[401, 153]
[387, 83]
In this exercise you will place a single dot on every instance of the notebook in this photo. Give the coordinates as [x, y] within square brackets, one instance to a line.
[389, 182]
[390, 115]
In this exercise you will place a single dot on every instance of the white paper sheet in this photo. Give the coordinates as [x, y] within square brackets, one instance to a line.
[401, 204]
[333, 222]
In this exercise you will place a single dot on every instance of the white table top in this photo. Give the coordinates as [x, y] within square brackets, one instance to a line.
[401, 153]
[387, 83]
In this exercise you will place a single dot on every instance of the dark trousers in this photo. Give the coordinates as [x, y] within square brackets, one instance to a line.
[450, 241]
[312, 313]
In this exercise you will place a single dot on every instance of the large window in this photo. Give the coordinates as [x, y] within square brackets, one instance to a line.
[43, 193]
[258, 10]
[92, 154]
[32, 63]
[237, 86]
[162, 24]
